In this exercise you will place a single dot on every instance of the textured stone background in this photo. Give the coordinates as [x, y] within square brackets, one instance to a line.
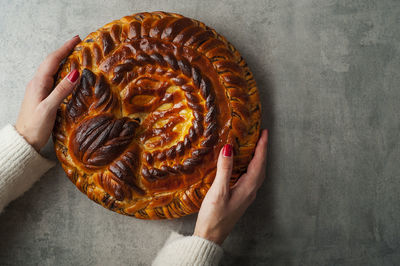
[328, 73]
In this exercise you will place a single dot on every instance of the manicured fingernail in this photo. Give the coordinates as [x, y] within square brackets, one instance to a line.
[76, 36]
[73, 76]
[227, 150]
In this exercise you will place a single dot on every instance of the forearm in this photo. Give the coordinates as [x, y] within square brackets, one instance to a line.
[189, 250]
[20, 165]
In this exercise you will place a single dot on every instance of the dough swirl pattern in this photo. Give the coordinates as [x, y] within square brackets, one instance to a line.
[159, 96]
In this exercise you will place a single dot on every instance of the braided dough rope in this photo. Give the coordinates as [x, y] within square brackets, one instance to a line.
[159, 96]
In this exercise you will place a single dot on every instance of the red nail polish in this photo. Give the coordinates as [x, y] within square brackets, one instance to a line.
[227, 150]
[73, 75]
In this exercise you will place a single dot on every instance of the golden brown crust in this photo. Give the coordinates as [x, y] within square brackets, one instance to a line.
[159, 96]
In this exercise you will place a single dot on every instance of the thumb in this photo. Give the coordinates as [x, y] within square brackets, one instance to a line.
[224, 170]
[62, 90]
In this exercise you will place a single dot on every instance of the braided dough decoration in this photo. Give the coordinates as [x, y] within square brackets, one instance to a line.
[159, 96]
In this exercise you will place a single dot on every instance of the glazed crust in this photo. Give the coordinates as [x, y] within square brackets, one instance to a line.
[159, 96]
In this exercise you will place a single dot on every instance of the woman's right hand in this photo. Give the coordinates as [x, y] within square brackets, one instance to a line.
[222, 207]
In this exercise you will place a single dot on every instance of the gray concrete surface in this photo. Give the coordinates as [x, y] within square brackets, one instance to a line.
[328, 73]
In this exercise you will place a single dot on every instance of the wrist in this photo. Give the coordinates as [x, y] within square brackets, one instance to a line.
[216, 238]
[23, 132]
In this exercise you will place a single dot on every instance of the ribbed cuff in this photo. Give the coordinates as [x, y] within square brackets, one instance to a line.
[190, 250]
[20, 165]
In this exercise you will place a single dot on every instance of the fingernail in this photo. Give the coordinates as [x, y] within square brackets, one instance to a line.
[73, 76]
[227, 150]
[75, 36]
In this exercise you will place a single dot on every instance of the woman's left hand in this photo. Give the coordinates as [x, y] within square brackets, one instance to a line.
[39, 107]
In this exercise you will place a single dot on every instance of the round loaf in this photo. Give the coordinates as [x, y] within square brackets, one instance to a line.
[159, 96]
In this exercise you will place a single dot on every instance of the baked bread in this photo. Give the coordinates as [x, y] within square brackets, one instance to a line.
[159, 96]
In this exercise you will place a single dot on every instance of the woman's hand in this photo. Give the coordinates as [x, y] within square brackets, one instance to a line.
[222, 207]
[39, 107]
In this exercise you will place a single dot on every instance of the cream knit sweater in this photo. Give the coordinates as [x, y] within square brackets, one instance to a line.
[21, 166]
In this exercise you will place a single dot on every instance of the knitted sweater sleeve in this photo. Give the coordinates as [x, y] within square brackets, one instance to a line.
[182, 250]
[20, 165]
